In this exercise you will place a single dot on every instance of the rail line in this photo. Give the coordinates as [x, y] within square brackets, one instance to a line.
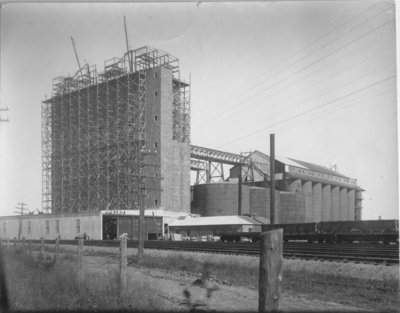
[364, 253]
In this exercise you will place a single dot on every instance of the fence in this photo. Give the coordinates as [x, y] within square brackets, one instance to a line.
[24, 248]
[270, 266]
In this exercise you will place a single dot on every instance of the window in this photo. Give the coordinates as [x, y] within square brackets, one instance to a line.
[155, 74]
[155, 93]
[78, 226]
[156, 202]
[155, 118]
[29, 227]
[47, 227]
[57, 226]
[156, 144]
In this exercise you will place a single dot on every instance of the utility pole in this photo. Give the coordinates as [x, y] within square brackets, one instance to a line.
[240, 182]
[20, 212]
[1, 119]
[272, 178]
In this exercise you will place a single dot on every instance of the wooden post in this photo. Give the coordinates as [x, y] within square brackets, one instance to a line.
[272, 179]
[270, 273]
[23, 252]
[30, 248]
[4, 300]
[123, 263]
[57, 256]
[79, 259]
[42, 246]
[240, 182]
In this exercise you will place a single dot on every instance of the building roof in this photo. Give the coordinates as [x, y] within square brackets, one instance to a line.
[301, 164]
[318, 168]
[215, 220]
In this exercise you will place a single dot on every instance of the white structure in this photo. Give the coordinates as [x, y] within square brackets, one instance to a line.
[96, 225]
[193, 225]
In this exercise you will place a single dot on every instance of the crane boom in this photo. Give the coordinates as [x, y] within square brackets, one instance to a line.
[76, 55]
[127, 46]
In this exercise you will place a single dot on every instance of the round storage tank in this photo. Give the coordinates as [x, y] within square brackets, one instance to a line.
[216, 199]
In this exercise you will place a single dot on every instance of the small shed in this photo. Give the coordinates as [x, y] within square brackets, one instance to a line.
[193, 226]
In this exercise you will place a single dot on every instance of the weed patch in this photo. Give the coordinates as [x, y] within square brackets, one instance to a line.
[37, 286]
[326, 286]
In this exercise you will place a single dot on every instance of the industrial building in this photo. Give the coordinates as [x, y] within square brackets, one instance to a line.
[101, 225]
[305, 192]
[196, 226]
[118, 137]
[116, 142]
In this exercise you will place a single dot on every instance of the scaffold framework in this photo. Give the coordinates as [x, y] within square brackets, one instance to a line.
[94, 130]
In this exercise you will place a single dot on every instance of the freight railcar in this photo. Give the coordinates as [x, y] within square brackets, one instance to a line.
[386, 231]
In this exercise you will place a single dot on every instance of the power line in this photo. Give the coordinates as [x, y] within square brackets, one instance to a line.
[327, 90]
[319, 39]
[309, 65]
[310, 110]
[342, 84]
[300, 122]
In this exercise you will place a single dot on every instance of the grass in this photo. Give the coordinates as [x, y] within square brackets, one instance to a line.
[31, 287]
[364, 286]
[378, 294]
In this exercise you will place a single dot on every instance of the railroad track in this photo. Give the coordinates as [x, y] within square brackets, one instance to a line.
[364, 253]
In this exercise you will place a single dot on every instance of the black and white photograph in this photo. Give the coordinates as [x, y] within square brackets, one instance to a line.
[199, 156]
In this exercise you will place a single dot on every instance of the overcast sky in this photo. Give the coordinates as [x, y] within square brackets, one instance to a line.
[321, 75]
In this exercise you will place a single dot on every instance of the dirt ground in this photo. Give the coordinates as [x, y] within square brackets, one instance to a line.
[171, 285]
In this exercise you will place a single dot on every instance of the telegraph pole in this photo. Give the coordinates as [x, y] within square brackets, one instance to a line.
[20, 212]
[1, 119]
[272, 177]
[240, 182]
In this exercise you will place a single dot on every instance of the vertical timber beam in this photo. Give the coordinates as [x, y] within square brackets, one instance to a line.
[270, 270]
[272, 178]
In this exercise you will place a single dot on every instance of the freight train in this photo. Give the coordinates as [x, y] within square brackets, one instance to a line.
[385, 231]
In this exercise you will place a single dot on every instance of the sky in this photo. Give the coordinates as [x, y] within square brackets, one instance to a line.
[320, 75]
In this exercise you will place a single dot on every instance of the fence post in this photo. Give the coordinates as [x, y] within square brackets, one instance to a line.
[42, 246]
[270, 272]
[30, 248]
[123, 262]
[4, 300]
[23, 252]
[15, 244]
[79, 259]
[56, 257]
